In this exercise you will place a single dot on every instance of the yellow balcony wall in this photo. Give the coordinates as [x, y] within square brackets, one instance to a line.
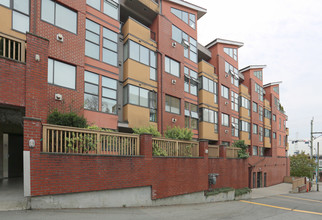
[206, 97]
[6, 22]
[245, 136]
[267, 142]
[267, 122]
[207, 131]
[206, 67]
[142, 33]
[267, 104]
[151, 5]
[243, 90]
[287, 131]
[137, 116]
[243, 113]
[135, 70]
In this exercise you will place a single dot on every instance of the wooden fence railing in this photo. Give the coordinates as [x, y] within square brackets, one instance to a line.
[176, 148]
[61, 139]
[213, 150]
[232, 152]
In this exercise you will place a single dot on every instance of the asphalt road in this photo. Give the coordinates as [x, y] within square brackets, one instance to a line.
[288, 206]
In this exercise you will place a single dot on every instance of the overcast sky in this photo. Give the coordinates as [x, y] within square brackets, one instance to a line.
[285, 35]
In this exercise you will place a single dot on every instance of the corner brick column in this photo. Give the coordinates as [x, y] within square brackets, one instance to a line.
[146, 145]
[203, 149]
[222, 151]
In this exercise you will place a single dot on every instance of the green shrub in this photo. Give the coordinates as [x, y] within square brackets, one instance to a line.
[147, 130]
[178, 133]
[217, 191]
[158, 151]
[96, 128]
[242, 191]
[242, 153]
[67, 119]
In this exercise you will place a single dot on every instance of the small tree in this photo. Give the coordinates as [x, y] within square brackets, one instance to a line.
[302, 165]
[178, 133]
[67, 119]
[147, 130]
[242, 153]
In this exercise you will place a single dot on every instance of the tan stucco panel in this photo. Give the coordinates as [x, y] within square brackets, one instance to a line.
[206, 97]
[245, 136]
[205, 67]
[267, 123]
[137, 116]
[207, 131]
[243, 113]
[267, 142]
[6, 22]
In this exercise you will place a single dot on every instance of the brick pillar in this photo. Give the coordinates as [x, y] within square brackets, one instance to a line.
[222, 151]
[146, 145]
[203, 149]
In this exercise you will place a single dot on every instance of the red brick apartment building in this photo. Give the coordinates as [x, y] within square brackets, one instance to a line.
[125, 64]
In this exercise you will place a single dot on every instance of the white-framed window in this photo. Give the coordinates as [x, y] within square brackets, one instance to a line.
[210, 86]
[234, 101]
[225, 92]
[191, 115]
[61, 74]
[190, 81]
[232, 52]
[172, 67]
[224, 119]
[172, 104]
[110, 7]
[245, 103]
[255, 129]
[210, 116]
[143, 55]
[234, 127]
[20, 14]
[186, 17]
[59, 15]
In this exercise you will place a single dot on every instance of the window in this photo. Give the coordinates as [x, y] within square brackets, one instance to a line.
[109, 95]
[224, 119]
[190, 81]
[184, 17]
[143, 55]
[274, 117]
[210, 86]
[255, 129]
[224, 92]
[172, 67]
[267, 133]
[261, 134]
[260, 91]
[255, 107]
[280, 124]
[92, 42]
[172, 104]
[59, 15]
[232, 52]
[91, 91]
[276, 89]
[245, 126]
[234, 101]
[189, 44]
[230, 69]
[20, 14]
[110, 7]
[267, 114]
[61, 74]
[191, 115]
[280, 140]
[211, 116]
[245, 103]
[255, 151]
[260, 112]
[261, 151]
[259, 75]
[109, 47]
[234, 126]
[274, 135]
[153, 106]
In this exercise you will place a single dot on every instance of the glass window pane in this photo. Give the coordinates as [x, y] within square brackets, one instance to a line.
[48, 11]
[91, 77]
[66, 18]
[167, 64]
[194, 74]
[50, 71]
[176, 12]
[211, 86]
[186, 84]
[109, 93]
[109, 34]
[109, 44]
[92, 37]
[194, 123]
[21, 5]
[111, 9]
[193, 57]
[92, 50]
[90, 88]
[153, 74]
[109, 57]
[211, 116]
[175, 105]
[91, 102]
[185, 17]
[176, 34]
[5, 3]
[134, 51]
[205, 114]
[144, 97]
[193, 87]
[109, 106]
[126, 51]
[109, 83]
[205, 83]
[167, 103]
[64, 75]
[20, 22]
[95, 4]
[175, 68]
[134, 95]
[92, 26]
[144, 55]
[153, 59]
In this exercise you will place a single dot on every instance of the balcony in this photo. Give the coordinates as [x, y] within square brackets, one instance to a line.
[12, 48]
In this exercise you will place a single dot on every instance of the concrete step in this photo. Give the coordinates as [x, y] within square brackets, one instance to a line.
[10, 205]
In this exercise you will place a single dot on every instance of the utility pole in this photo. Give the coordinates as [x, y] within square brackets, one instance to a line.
[311, 155]
[317, 166]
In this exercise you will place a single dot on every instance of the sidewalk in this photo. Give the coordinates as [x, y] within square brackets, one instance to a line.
[283, 188]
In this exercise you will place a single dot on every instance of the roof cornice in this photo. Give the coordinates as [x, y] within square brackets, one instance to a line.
[200, 11]
[223, 41]
[252, 67]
